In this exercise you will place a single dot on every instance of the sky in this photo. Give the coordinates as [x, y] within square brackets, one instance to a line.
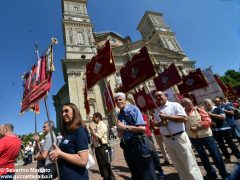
[207, 31]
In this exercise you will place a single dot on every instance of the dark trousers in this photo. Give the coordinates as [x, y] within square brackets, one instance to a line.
[141, 168]
[104, 166]
[209, 143]
[220, 136]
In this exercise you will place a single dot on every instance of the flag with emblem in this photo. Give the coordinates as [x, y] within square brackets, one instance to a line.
[100, 66]
[108, 96]
[136, 71]
[192, 81]
[35, 108]
[143, 100]
[168, 78]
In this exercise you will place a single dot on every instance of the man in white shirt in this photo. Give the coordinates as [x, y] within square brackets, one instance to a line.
[170, 116]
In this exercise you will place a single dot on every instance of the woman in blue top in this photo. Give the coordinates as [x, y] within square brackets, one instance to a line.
[72, 153]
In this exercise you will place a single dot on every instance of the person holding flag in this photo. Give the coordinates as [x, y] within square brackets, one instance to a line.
[136, 150]
[172, 115]
[72, 153]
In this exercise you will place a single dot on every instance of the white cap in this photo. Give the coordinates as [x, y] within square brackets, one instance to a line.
[120, 94]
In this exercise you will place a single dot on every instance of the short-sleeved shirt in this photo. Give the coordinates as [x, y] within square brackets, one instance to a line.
[220, 124]
[171, 108]
[73, 143]
[9, 149]
[47, 146]
[101, 130]
[132, 116]
[229, 117]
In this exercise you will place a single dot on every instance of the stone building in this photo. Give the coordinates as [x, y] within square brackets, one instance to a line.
[81, 43]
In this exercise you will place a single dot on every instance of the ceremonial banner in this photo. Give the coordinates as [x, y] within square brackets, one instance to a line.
[168, 78]
[35, 89]
[143, 100]
[108, 96]
[211, 91]
[230, 91]
[100, 66]
[237, 90]
[220, 83]
[136, 71]
[194, 80]
[35, 108]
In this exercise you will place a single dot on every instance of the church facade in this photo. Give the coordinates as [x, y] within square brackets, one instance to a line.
[81, 44]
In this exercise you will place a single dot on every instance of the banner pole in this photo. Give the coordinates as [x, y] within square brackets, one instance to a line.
[51, 133]
[112, 103]
[35, 118]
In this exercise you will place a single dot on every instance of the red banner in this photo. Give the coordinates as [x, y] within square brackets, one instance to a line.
[143, 100]
[34, 89]
[194, 80]
[168, 78]
[220, 83]
[136, 71]
[109, 100]
[35, 108]
[86, 101]
[100, 66]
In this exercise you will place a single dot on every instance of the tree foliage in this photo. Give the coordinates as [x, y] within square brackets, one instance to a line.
[231, 77]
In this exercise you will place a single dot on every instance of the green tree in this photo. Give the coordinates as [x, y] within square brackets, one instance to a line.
[231, 77]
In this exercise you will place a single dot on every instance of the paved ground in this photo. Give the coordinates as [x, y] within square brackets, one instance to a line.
[119, 167]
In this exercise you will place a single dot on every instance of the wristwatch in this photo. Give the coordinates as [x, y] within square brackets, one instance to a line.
[127, 128]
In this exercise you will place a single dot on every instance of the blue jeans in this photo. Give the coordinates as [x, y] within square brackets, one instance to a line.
[209, 143]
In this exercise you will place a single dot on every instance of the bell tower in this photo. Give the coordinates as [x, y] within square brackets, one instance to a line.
[153, 29]
[79, 49]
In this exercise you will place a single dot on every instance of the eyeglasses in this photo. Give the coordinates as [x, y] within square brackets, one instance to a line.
[116, 100]
[44, 127]
[217, 101]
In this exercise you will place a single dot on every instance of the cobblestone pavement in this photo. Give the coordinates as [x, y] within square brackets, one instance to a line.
[119, 167]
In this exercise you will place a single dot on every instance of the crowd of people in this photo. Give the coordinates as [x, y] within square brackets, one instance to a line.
[177, 128]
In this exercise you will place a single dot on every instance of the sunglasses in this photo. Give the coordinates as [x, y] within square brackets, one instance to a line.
[44, 127]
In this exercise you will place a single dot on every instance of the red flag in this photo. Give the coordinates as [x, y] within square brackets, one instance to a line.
[237, 90]
[230, 91]
[86, 101]
[35, 108]
[143, 100]
[136, 71]
[194, 80]
[109, 100]
[220, 83]
[34, 89]
[100, 66]
[168, 78]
